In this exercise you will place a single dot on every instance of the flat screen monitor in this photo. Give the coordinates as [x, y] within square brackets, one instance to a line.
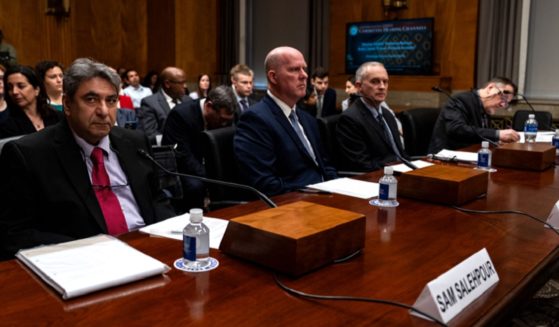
[405, 47]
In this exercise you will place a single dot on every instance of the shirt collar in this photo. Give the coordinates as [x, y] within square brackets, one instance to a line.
[283, 106]
[87, 148]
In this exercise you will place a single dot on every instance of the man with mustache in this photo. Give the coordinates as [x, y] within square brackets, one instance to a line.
[464, 120]
[367, 132]
[81, 177]
[277, 145]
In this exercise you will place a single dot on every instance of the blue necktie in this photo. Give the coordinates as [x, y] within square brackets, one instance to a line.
[244, 105]
[388, 134]
[295, 123]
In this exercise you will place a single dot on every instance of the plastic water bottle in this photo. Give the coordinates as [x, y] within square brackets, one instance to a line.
[555, 142]
[484, 156]
[388, 188]
[196, 241]
[531, 129]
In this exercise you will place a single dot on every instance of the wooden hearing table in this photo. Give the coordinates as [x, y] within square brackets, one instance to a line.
[405, 249]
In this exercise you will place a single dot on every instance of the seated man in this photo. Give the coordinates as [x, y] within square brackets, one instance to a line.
[155, 108]
[325, 96]
[464, 120]
[276, 144]
[184, 126]
[367, 131]
[80, 177]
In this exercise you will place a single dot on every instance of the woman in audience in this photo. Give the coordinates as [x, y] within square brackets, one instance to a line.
[150, 80]
[4, 113]
[51, 74]
[350, 90]
[204, 86]
[27, 102]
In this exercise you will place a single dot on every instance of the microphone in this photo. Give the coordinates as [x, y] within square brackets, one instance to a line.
[261, 195]
[437, 88]
[546, 128]
[403, 160]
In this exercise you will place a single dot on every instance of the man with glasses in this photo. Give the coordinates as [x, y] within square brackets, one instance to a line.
[155, 108]
[464, 120]
[81, 177]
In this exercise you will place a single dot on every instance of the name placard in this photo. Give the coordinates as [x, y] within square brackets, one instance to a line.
[447, 295]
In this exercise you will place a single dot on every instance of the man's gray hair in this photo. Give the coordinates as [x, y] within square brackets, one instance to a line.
[364, 68]
[83, 69]
[223, 97]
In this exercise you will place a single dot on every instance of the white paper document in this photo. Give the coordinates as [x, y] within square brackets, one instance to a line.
[349, 187]
[80, 267]
[542, 136]
[172, 228]
[402, 168]
[457, 155]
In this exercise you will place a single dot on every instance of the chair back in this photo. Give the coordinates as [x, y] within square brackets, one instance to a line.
[8, 139]
[417, 125]
[328, 138]
[544, 118]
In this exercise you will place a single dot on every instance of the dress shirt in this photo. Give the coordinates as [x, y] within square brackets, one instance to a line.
[137, 94]
[170, 101]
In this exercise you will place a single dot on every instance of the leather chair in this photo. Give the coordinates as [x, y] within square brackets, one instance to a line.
[417, 125]
[221, 164]
[544, 119]
[327, 130]
[8, 139]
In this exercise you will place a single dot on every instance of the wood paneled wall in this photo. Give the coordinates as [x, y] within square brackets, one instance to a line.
[454, 47]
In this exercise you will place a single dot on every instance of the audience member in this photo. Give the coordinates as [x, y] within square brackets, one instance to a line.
[27, 103]
[367, 132]
[203, 87]
[82, 177]
[8, 55]
[350, 90]
[150, 80]
[135, 90]
[50, 74]
[325, 96]
[242, 78]
[4, 112]
[184, 126]
[278, 146]
[464, 120]
[155, 108]
[308, 102]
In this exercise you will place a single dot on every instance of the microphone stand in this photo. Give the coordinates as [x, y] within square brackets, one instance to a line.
[261, 195]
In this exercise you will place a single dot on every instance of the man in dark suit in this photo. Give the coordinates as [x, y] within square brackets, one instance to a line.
[464, 120]
[184, 128]
[241, 81]
[277, 145]
[80, 177]
[367, 132]
[325, 96]
[155, 108]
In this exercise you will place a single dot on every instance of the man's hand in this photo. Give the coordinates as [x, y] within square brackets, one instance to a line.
[508, 136]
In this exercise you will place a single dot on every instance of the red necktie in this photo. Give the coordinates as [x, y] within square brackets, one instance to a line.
[116, 223]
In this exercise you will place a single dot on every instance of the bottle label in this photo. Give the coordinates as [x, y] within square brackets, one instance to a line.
[555, 142]
[483, 160]
[189, 248]
[530, 128]
[383, 191]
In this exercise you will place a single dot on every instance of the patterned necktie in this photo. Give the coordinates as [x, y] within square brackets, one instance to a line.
[388, 134]
[295, 123]
[244, 105]
[114, 217]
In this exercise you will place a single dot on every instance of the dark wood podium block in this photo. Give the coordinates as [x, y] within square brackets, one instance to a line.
[295, 238]
[526, 156]
[443, 184]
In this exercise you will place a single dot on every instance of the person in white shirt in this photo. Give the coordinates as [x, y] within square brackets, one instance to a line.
[135, 90]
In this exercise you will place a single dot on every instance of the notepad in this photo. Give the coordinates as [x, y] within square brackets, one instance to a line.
[83, 266]
[349, 187]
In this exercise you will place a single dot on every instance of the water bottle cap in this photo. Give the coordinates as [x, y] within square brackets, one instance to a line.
[196, 215]
[388, 170]
[485, 144]
[557, 132]
[531, 116]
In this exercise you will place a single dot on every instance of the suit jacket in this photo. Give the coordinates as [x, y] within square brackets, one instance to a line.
[153, 112]
[460, 124]
[183, 127]
[363, 145]
[271, 156]
[328, 105]
[17, 123]
[46, 194]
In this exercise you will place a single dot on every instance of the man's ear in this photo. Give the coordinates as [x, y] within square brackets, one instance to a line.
[66, 102]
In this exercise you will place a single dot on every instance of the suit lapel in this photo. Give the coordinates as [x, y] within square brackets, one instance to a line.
[70, 157]
[163, 102]
[371, 121]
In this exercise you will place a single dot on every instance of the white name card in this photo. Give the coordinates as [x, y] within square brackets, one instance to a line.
[447, 295]
[553, 218]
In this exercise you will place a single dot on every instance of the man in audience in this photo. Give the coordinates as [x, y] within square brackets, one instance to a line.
[184, 128]
[241, 82]
[367, 132]
[325, 96]
[155, 108]
[135, 90]
[81, 177]
[277, 145]
[464, 120]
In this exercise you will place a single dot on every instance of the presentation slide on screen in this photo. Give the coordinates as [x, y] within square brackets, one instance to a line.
[404, 47]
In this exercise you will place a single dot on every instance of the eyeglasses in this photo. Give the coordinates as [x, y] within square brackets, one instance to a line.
[505, 95]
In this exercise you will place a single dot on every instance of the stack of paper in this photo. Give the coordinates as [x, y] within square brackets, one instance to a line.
[402, 168]
[348, 186]
[456, 155]
[88, 265]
